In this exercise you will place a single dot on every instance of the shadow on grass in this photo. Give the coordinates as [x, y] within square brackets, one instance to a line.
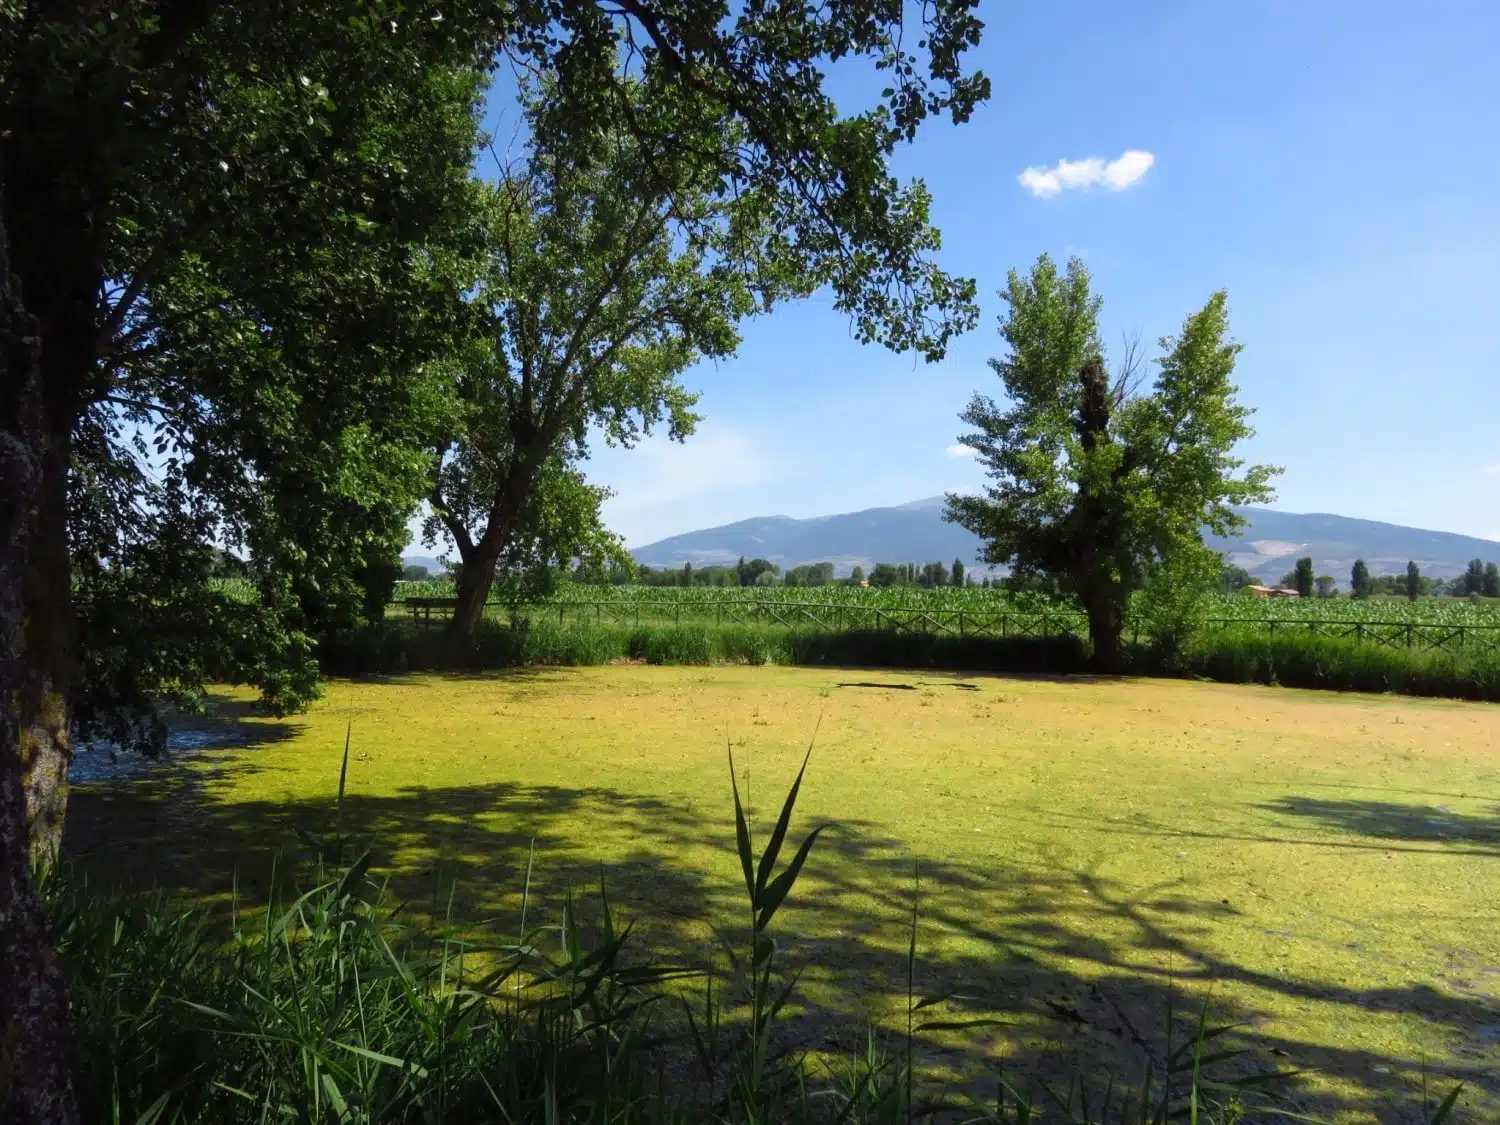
[1389, 820]
[1081, 968]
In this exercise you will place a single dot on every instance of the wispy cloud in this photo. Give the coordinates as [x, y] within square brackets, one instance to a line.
[961, 450]
[1492, 469]
[1067, 175]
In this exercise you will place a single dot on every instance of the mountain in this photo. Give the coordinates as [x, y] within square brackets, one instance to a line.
[1273, 541]
[1268, 547]
[909, 533]
[433, 566]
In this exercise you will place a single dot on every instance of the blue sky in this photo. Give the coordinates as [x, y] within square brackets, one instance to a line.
[1335, 166]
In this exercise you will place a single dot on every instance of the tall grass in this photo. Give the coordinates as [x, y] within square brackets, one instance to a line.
[398, 647]
[1234, 655]
[1308, 660]
[332, 1005]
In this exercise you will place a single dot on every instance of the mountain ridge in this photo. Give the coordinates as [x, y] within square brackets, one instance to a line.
[915, 532]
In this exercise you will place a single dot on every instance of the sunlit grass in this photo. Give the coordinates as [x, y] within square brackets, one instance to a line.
[1327, 865]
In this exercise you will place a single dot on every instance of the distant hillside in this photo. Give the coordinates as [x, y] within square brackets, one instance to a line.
[916, 532]
[909, 533]
[433, 566]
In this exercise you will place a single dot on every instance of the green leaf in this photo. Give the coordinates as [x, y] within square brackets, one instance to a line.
[1446, 1108]
[782, 884]
[773, 846]
[742, 835]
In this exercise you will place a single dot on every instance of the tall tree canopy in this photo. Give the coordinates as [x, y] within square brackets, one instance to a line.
[612, 266]
[1359, 579]
[233, 232]
[1094, 483]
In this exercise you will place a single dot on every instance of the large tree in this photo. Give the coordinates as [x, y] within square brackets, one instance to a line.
[230, 218]
[615, 263]
[1303, 577]
[1359, 580]
[1094, 481]
[1473, 577]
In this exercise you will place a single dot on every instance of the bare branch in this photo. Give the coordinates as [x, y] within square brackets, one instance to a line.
[1132, 370]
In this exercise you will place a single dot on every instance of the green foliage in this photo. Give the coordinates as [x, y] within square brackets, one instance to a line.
[1473, 578]
[1174, 603]
[1309, 660]
[809, 574]
[1302, 579]
[1093, 484]
[1359, 580]
[1326, 586]
[1233, 579]
[1490, 587]
[750, 573]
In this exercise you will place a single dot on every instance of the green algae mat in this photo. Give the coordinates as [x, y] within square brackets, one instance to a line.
[1089, 860]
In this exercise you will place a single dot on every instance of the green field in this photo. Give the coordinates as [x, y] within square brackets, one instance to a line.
[1239, 607]
[1089, 854]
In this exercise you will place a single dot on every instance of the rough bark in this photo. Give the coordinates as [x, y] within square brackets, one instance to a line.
[35, 1085]
[474, 581]
[1106, 631]
[480, 558]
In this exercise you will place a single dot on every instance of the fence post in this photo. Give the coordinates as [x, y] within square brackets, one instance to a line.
[960, 623]
[677, 614]
[560, 614]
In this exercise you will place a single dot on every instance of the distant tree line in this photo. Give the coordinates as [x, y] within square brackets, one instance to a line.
[1479, 579]
[762, 572]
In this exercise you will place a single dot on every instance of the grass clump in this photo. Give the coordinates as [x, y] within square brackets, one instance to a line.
[1309, 660]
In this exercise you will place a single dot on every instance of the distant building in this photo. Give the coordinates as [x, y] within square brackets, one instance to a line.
[1271, 592]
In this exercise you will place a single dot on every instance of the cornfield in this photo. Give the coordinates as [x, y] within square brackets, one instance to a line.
[701, 600]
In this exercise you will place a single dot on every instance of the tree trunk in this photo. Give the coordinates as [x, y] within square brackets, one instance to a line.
[35, 1085]
[477, 574]
[475, 578]
[1106, 628]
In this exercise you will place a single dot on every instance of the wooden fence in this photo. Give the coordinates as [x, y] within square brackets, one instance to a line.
[832, 618]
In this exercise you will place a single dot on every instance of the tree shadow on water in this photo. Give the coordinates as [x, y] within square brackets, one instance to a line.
[1081, 968]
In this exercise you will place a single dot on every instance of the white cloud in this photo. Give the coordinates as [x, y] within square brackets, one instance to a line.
[720, 474]
[1492, 470]
[1066, 175]
[961, 450]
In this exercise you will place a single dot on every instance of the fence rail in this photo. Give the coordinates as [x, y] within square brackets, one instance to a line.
[841, 618]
